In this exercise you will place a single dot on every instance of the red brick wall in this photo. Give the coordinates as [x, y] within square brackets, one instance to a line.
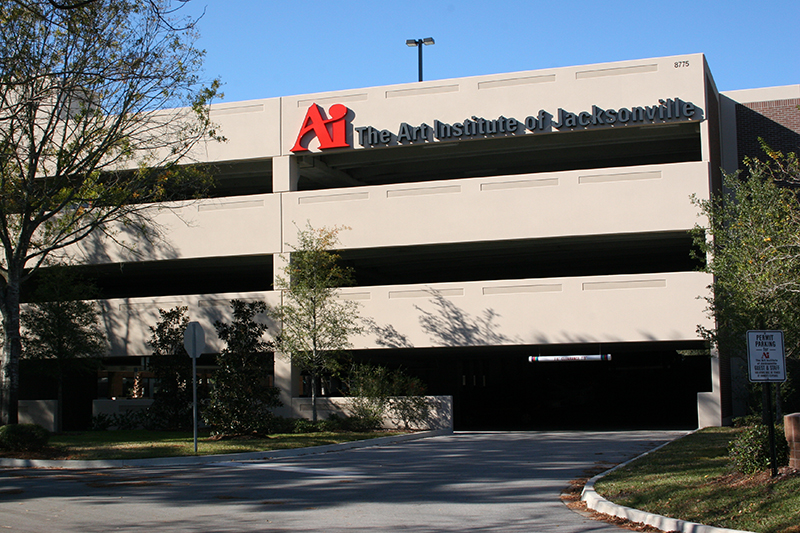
[777, 122]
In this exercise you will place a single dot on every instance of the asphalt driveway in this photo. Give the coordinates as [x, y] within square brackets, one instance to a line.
[461, 482]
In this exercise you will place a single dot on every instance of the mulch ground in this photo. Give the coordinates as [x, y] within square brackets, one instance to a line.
[48, 452]
[571, 496]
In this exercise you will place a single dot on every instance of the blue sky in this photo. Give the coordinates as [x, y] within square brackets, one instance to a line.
[268, 48]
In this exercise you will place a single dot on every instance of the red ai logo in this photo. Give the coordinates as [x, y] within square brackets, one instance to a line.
[330, 132]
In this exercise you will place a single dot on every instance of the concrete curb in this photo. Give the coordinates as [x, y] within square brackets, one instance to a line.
[596, 502]
[221, 458]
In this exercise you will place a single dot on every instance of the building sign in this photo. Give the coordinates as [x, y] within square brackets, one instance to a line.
[331, 132]
[765, 356]
[568, 358]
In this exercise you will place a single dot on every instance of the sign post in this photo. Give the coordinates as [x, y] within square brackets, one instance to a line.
[766, 361]
[194, 340]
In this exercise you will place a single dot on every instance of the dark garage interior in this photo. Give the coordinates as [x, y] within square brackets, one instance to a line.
[643, 386]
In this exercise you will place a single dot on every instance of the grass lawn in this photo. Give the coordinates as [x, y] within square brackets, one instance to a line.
[141, 444]
[691, 479]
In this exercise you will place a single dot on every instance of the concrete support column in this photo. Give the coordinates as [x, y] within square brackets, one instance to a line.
[709, 404]
[285, 173]
[285, 177]
[288, 381]
[791, 425]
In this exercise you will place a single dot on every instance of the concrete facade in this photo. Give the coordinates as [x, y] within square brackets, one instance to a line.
[557, 222]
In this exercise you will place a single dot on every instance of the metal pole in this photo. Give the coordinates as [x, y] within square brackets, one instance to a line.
[419, 46]
[771, 425]
[194, 401]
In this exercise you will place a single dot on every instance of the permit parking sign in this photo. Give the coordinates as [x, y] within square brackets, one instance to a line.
[765, 356]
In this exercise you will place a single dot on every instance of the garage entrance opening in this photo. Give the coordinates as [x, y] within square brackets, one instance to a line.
[644, 385]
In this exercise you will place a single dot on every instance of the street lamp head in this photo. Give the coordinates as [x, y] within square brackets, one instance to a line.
[428, 41]
[411, 42]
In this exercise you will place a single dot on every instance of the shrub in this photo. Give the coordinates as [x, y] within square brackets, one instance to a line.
[101, 422]
[377, 392]
[369, 388]
[336, 422]
[747, 420]
[135, 419]
[242, 399]
[302, 425]
[23, 437]
[410, 411]
[280, 425]
[127, 420]
[750, 451]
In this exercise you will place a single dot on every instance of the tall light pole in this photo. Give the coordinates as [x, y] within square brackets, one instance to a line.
[427, 41]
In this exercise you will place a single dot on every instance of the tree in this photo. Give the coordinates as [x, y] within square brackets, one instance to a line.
[752, 244]
[93, 121]
[63, 325]
[316, 324]
[242, 399]
[172, 366]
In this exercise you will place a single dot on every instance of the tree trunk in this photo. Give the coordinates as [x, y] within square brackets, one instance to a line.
[59, 425]
[12, 349]
[313, 397]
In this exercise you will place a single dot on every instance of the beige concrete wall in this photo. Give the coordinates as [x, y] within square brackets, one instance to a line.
[214, 227]
[252, 130]
[709, 404]
[41, 412]
[266, 128]
[515, 95]
[764, 94]
[587, 202]
[441, 411]
[589, 309]
[494, 208]
[127, 321]
[592, 309]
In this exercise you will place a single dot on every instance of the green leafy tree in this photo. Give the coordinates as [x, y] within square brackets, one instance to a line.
[241, 398]
[62, 325]
[172, 366]
[99, 101]
[315, 324]
[752, 244]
